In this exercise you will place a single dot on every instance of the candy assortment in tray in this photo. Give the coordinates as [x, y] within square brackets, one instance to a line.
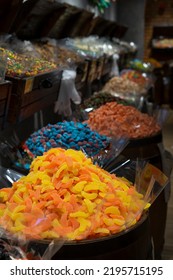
[19, 65]
[74, 135]
[113, 119]
[55, 51]
[96, 100]
[67, 134]
[142, 79]
[162, 43]
[123, 86]
[132, 84]
[97, 51]
[35, 81]
[139, 65]
[100, 98]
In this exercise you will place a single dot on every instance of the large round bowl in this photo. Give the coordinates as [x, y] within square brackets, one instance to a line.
[134, 243]
[150, 149]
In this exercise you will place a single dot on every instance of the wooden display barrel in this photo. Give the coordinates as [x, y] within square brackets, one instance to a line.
[147, 149]
[134, 243]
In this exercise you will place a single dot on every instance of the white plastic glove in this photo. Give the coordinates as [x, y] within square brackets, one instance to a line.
[115, 68]
[67, 93]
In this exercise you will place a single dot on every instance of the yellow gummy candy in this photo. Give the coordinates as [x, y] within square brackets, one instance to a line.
[1, 212]
[102, 230]
[55, 223]
[108, 221]
[17, 228]
[79, 214]
[90, 196]
[112, 210]
[67, 197]
[90, 205]
[119, 222]
[79, 187]
[49, 234]
[17, 199]
[95, 186]
[3, 196]
[84, 224]
[63, 167]
[19, 208]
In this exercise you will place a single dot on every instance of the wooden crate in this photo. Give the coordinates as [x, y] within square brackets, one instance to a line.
[32, 94]
[81, 74]
[92, 70]
[5, 92]
[107, 65]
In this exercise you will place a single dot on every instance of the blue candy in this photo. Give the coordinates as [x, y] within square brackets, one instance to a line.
[66, 135]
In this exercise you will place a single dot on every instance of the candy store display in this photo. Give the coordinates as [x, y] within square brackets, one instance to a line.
[56, 53]
[74, 135]
[154, 62]
[142, 79]
[19, 65]
[91, 202]
[47, 49]
[162, 43]
[140, 65]
[93, 102]
[123, 87]
[123, 121]
[100, 98]
[37, 77]
[93, 46]
[68, 190]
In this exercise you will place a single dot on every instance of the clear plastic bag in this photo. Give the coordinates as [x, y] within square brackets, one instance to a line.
[8, 176]
[149, 182]
[11, 151]
[14, 248]
[115, 68]
[105, 157]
